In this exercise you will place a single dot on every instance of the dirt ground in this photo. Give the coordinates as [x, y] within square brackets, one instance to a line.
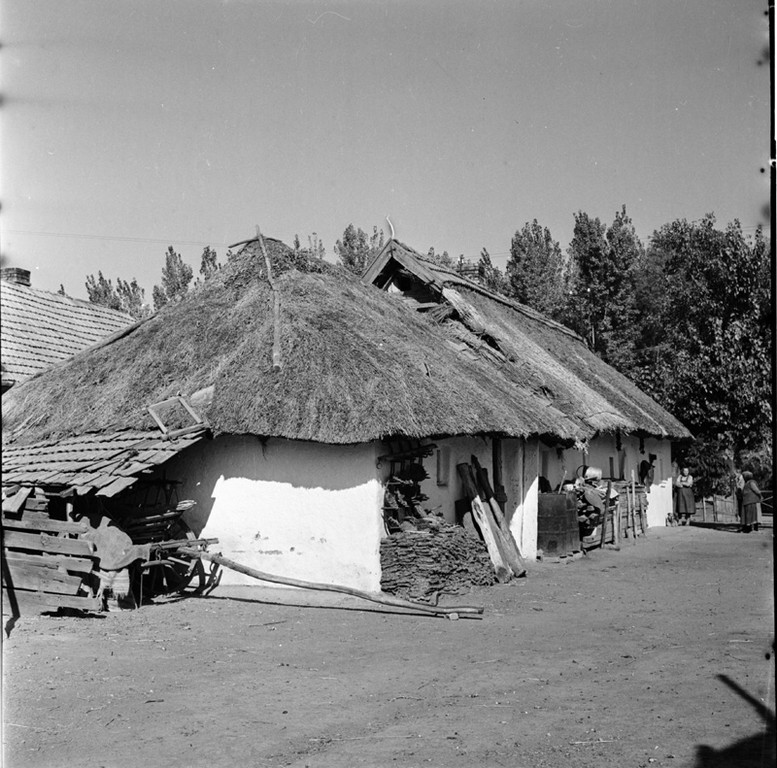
[658, 654]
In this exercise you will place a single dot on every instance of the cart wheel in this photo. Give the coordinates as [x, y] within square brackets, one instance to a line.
[182, 570]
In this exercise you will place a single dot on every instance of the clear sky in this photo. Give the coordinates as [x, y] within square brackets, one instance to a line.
[131, 125]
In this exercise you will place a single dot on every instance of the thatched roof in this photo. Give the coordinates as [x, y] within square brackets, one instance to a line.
[357, 365]
[553, 358]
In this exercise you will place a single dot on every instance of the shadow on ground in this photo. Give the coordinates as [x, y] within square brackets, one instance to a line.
[756, 751]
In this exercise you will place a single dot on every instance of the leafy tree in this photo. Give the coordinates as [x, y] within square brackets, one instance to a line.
[717, 328]
[132, 298]
[125, 297]
[706, 356]
[101, 291]
[601, 301]
[490, 276]
[357, 248]
[209, 263]
[353, 250]
[444, 260]
[176, 276]
[535, 269]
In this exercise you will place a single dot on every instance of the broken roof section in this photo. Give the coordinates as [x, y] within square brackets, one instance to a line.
[106, 463]
[41, 329]
[550, 359]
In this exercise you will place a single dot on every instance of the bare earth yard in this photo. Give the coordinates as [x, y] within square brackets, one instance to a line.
[659, 654]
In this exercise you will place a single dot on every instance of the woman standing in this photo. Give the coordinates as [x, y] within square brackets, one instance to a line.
[686, 504]
[751, 501]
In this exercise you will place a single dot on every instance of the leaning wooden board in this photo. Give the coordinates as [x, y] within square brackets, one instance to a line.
[487, 528]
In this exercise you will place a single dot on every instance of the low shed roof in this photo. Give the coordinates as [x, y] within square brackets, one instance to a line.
[105, 462]
[40, 329]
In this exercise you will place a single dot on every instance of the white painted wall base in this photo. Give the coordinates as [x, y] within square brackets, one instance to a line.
[297, 509]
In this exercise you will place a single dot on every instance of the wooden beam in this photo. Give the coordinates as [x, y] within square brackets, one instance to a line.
[42, 542]
[24, 576]
[45, 523]
[38, 602]
[437, 610]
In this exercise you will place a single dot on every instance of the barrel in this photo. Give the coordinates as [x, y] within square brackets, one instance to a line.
[558, 532]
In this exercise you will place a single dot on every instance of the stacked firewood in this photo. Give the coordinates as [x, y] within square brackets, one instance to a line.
[443, 559]
[403, 501]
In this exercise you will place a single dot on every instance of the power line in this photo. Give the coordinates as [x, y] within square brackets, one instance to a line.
[117, 238]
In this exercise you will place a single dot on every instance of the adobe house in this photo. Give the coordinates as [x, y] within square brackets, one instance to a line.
[296, 419]
[40, 328]
[621, 429]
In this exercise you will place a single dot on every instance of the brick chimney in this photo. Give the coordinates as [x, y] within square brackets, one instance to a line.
[15, 275]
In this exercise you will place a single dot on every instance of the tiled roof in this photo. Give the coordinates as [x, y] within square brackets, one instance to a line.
[40, 329]
[108, 462]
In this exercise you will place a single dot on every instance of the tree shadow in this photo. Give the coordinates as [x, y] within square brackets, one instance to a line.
[756, 751]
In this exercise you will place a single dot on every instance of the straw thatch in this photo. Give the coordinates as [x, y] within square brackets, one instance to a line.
[357, 365]
[550, 358]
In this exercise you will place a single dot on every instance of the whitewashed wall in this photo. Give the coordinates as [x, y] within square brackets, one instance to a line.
[603, 453]
[298, 509]
[519, 477]
[444, 485]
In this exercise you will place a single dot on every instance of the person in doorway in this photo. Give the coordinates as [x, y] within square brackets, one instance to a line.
[686, 504]
[751, 501]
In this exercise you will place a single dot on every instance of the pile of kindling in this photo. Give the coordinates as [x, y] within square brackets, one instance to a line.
[442, 559]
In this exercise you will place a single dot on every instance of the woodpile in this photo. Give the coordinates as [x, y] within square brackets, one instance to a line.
[443, 559]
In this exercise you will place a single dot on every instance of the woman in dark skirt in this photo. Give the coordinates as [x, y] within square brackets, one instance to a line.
[751, 498]
[686, 504]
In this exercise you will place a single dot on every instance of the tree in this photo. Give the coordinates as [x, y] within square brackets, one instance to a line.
[209, 263]
[125, 297]
[102, 292]
[601, 300]
[176, 276]
[132, 298]
[443, 260]
[535, 269]
[717, 327]
[707, 357]
[490, 276]
[353, 250]
[357, 248]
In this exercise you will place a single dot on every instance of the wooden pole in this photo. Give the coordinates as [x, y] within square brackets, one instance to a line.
[634, 502]
[631, 522]
[604, 515]
[396, 602]
[616, 524]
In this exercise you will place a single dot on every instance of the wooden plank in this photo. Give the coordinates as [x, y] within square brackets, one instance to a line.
[501, 568]
[16, 502]
[24, 576]
[118, 485]
[63, 562]
[35, 504]
[509, 545]
[42, 542]
[39, 602]
[44, 523]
